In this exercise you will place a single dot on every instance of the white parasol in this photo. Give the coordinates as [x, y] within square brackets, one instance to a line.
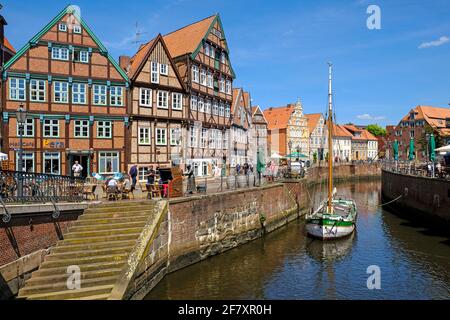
[3, 156]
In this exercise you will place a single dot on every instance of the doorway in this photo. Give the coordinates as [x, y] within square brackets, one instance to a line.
[83, 160]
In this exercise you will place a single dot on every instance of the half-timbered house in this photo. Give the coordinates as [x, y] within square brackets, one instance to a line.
[240, 132]
[158, 108]
[201, 54]
[75, 96]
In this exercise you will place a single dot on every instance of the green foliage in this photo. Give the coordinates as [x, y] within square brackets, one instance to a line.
[423, 139]
[376, 130]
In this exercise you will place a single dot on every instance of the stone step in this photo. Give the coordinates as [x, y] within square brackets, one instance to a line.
[62, 286]
[49, 263]
[66, 247]
[107, 221]
[123, 204]
[71, 254]
[36, 279]
[101, 233]
[119, 209]
[108, 226]
[122, 214]
[118, 237]
[71, 294]
[43, 272]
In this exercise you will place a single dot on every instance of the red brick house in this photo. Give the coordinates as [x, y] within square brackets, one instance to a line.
[76, 99]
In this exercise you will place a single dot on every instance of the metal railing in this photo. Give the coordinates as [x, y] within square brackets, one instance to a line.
[416, 169]
[26, 187]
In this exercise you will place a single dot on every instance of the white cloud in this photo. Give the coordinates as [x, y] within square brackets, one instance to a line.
[436, 43]
[367, 116]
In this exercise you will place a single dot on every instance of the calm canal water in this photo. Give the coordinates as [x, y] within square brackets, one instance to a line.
[285, 264]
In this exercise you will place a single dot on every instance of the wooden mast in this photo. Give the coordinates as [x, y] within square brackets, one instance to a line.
[330, 142]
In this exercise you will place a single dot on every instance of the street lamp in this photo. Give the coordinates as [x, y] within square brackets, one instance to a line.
[298, 152]
[21, 116]
[290, 157]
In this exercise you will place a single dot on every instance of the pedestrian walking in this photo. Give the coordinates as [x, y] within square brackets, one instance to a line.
[151, 176]
[191, 179]
[133, 174]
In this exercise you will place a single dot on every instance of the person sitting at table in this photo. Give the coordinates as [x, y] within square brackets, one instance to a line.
[112, 184]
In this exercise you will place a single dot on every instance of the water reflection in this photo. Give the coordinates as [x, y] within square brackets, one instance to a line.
[414, 263]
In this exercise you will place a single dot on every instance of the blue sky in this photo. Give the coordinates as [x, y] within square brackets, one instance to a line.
[279, 49]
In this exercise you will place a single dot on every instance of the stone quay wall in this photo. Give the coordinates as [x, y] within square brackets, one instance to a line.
[425, 198]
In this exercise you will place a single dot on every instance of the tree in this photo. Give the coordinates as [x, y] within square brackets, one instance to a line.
[376, 130]
[423, 139]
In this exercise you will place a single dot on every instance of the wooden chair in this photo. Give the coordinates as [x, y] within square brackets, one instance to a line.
[127, 194]
[89, 190]
[112, 193]
[155, 190]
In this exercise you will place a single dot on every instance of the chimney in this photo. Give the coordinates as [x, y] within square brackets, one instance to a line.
[124, 62]
[2, 38]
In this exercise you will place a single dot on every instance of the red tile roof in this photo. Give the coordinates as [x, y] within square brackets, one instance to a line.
[313, 119]
[278, 118]
[9, 45]
[341, 131]
[187, 39]
[137, 59]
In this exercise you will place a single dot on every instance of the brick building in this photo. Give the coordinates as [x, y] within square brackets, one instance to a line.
[200, 52]
[415, 125]
[159, 109]
[75, 95]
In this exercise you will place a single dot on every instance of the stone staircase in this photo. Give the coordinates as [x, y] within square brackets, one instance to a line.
[99, 243]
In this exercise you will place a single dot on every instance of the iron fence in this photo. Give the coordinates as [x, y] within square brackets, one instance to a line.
[24, 187]
[417, 169]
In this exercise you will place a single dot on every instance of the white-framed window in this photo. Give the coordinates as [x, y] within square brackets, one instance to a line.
[51, 128]
[100, 94]
[222, 57]
[208, 106]
[206, 48]
[203, 77]
[145, 97]
[163, 99]
[215, 108]
[192, 137]
[81, 129]
[79, 93]
[201, 105]
[59, 53]
[154, 72]
[108, 162]
[116, 96]
[222, 85]
[227, 110]
[37, 90]
[52, 163]
[173, 140]
[212, 52]
[62, 27]
[17, 89]
[164, 69]
[142, 173]
[195, 73]
[203, 138]
[212, 139]
[177, 101]
[27, 162]
[209, 80]
[60, 92]
[104, 129]
[221, 109]
[144, 135]
[219, 139]
[225, 140]
[228, 86]
[77, 29]
[194, 101]
[82, 56]
[161, 136]
[28, 128]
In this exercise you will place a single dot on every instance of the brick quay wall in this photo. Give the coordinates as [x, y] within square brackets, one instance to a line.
[418, 197]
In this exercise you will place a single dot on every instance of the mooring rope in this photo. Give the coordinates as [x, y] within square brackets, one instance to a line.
[383, 204]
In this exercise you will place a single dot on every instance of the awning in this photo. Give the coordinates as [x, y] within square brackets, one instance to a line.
[80, 152]
[3, 156]
[443, 149]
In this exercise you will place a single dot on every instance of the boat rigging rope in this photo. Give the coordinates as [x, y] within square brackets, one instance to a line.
[383, 204]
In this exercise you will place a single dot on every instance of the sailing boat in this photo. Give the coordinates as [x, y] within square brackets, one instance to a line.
[335, 217]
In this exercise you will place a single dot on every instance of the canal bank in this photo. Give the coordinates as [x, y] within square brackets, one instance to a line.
[191, 230]
[422, 198]
[286, 264]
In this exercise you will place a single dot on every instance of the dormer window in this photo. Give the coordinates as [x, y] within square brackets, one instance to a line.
[62, 27]
[411, 116]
